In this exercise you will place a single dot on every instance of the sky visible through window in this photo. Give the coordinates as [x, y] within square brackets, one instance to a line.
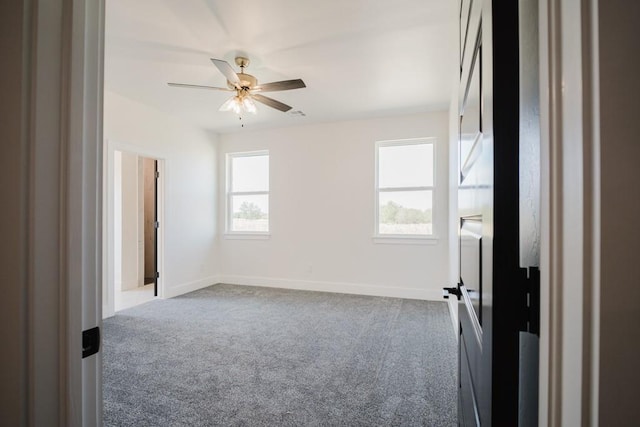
[250, 173]
[405, 166]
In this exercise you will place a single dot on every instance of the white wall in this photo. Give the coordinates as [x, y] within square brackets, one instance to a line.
[190, 258]
[327, 171]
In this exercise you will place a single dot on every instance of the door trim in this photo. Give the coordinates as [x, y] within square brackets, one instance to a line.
[569, 287]
[56, 147]
[108, 288]
[83, 192]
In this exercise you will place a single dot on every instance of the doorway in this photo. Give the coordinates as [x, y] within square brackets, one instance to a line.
[133, 244]
[148, 168]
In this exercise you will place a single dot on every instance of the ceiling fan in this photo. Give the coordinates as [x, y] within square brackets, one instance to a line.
[247, 88]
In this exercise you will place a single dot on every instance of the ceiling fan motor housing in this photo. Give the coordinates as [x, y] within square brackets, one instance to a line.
[246, 81]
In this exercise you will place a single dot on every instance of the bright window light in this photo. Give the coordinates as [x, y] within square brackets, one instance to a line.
[405, 187]
[248, 192]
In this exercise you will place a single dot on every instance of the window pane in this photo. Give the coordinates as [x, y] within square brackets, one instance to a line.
[250, 213]
[405, 212]
[250, 173]
[405, 166]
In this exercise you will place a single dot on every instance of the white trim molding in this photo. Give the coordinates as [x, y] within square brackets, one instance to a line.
[391, 239]
[246, 236]
[335, 287]
[185, 288]
[84, 80]
[568, 390]
[52, 139]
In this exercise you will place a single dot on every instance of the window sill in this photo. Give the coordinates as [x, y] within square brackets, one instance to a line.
[247, 236]
[405, 240]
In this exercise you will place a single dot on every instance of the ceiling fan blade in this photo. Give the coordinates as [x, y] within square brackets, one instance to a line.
[283, 85]
[200, 87]
[227, 71]
[271, 102]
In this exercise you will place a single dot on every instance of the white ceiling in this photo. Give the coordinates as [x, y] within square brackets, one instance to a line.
[358, 58]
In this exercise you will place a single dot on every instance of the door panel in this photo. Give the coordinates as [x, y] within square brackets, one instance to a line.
[467, 403]
[490, 308]
[471, 263]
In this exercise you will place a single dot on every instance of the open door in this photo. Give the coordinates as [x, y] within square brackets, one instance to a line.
[495, 294]
[156, 225]
[150, 176]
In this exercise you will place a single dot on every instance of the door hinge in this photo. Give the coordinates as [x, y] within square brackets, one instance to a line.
[156, 224]
[530, 300]
[90, 342]
[157, 174]
[157, 275]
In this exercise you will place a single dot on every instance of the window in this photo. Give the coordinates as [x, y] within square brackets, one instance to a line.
[248, 192]
[404, 188]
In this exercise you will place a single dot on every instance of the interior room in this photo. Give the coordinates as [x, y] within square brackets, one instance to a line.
[376, 94]
[329, 213]
[373, 73]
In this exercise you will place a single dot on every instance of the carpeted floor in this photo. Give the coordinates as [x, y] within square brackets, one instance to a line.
[246, 356]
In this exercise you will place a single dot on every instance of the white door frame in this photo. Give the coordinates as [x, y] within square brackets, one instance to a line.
[52, 160]
[53, 150]
[108, 289]
[569, 286]
[85, 78]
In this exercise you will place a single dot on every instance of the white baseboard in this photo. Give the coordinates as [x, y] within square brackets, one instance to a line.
[174, 291]
[106, 313]
[127, 286]
[336, 287]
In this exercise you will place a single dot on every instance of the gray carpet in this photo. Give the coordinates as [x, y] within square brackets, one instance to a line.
[247, 356]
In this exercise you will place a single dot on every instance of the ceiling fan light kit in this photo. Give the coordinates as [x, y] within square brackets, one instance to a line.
[246, 88]
[232, 104]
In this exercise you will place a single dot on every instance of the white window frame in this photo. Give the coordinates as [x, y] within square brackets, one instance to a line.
[229, 233]
[404, 238]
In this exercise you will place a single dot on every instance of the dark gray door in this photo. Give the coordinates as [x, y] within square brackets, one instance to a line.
[156, 225]
[475, 209]
[492, 288]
